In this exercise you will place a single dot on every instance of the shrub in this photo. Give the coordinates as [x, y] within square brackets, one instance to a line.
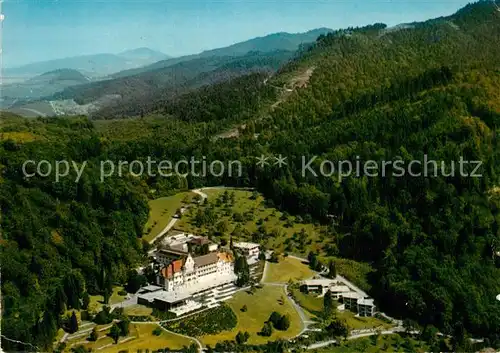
[208, 322]
[103, 317]
[274, 318]
[163, 315]
[238, 217]
[93, 335]
[274, 257]
[85, 316]
[242, 337]
[267, 330]
[141, 318]
[284, 323]
[279, 322]
[124, 327]
[157, 331]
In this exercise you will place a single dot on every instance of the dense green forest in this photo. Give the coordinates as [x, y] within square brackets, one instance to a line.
[427, 89]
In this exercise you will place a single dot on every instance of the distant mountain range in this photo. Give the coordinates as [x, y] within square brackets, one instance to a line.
[272, 42]
[157, 79]
[91, 65]
[151, 84]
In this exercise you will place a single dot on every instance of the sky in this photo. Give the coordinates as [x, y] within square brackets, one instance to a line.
[38, 30]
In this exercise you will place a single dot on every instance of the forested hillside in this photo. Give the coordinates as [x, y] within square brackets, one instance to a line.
[426, 89]
[429, 90]
[60, 239]
[141, 93]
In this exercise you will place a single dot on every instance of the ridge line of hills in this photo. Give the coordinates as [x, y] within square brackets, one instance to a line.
[100, 64]
[176, 75]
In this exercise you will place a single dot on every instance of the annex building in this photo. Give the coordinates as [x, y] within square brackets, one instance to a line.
[352, 300]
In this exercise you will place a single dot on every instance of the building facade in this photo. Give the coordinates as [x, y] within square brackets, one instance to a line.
[192, 273]
[250, 250]
[362, 306]
[366, 307]
[319, 286]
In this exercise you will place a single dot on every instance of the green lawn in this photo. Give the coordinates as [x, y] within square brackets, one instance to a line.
[260, 305]
[146, 340]
[311, 303]
[143, 339]
[96, 301]
[359, 323]
[103, 340]
[211, 193]
[161, 212]
[386, 343]
[356, 272]
[60, 334]
[287, 269]
[283, 233]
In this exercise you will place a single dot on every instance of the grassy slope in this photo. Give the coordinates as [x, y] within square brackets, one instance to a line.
[310, 303]
[161, 211]
[287, 269]
[243, 204]
[143, 339]
[354, 271]
[146, 340]
[260, 306]
[360, 323]
[388, 343]
[96, 302]
[313, 306]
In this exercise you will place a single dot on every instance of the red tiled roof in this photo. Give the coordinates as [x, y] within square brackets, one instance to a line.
[172, 268]
[224, 256]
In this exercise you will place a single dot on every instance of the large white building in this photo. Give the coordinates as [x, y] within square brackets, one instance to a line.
[182, 271]
[186, 282]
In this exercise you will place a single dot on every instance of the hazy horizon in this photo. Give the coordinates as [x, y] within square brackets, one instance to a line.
[35, 31]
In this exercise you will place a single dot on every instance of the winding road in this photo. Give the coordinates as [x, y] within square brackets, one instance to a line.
[35, 112]
[303, 317]
[175, 219]
[198, 343]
